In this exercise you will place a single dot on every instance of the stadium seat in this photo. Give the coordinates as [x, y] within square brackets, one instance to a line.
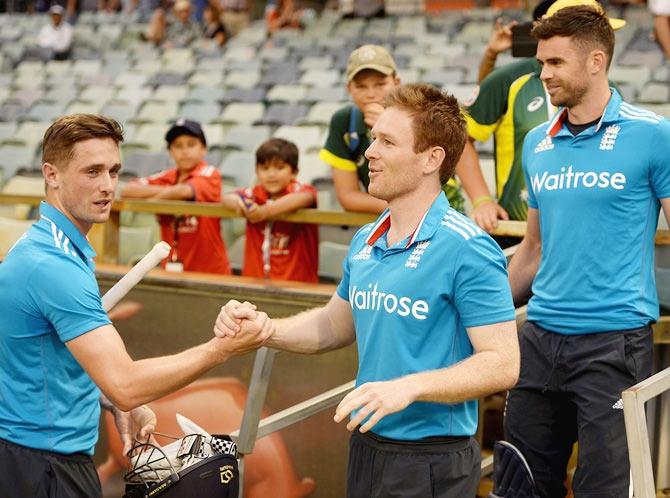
[241, 166]
[157, 112]
[326, 94]
[206, 78]
[285, 74]
[84, 106]
[169, 93]
[45, 111]
[146, 163]
[245, 137]
[214, 132]
[205, 93]
[331, 255]
[10, 231]
[21, 185]
[322, 77]
[307, 138]
[635, 76]
[241, 79]
[7, 130]
[98, 93]
[284, 114]
[312, 168]
[322, 62]
[242, 113]
[654, 93]
[134, 243]
[204, 112]
[321, 113]
[28, 134]
[121, 110]
[236, 253]
[443, 76]
[286, 93]
[243, 95]
[150, 135]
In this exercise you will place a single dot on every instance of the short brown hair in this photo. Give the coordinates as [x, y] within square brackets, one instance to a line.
[584, 24]
[60, 138]
[436, 121]
[278, 148]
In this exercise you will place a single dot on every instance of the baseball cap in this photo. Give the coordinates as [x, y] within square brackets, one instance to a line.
[370, 57]
[56, 9]
[185, 127]
[561, 4]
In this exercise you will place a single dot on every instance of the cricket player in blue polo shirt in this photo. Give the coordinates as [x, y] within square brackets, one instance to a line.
[425, 294]
[60, 356]
[597, 174]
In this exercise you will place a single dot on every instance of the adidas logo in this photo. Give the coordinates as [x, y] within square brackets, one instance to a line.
[545, 144]
[618, 405]
[364, 253]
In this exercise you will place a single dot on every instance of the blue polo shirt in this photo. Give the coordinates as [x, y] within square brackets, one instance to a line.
[411, 304]
[597, 195]
[48, 296]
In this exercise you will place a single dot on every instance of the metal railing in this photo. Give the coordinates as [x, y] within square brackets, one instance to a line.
[637, 434]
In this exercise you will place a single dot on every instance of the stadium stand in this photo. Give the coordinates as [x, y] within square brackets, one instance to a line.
[253, 89]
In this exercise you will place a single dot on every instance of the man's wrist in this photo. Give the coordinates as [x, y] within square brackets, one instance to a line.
[490, 54]
[481, 200]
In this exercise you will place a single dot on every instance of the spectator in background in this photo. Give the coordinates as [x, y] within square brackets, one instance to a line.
[196, 240]
[178, 30]
[660, 10]
[371, 76]
[277, 249]
[214, 30]
[235, 15]
[55, 38]
[501, 40]
[281, 14]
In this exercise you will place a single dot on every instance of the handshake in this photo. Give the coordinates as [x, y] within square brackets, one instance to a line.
[242, 327]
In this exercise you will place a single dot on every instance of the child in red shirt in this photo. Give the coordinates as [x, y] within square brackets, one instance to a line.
[195, 240]
[277, 249]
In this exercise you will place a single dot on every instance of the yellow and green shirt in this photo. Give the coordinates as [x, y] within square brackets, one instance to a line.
[511, 102]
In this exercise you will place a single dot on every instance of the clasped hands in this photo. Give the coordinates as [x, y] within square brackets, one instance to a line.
[367, 404]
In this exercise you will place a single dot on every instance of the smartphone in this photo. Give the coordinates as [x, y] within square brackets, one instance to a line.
[523, 44]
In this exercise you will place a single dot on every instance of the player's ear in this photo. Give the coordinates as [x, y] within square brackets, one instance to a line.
[434, 160]
[50, 173]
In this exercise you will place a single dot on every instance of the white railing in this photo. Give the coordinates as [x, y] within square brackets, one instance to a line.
[637, 434]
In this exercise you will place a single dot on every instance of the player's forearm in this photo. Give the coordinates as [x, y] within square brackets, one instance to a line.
[309, 332]
[523, 268]
[484, 373]
[146, 380]
[361, 202]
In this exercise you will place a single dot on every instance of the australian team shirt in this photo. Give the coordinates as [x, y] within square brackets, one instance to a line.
[48, 296]
[196, 239]
[511, 102]
[597, 196]
[412, 303]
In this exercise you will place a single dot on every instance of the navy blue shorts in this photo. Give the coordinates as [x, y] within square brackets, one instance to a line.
[443, 467]
[29, 473]
[569, 390]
